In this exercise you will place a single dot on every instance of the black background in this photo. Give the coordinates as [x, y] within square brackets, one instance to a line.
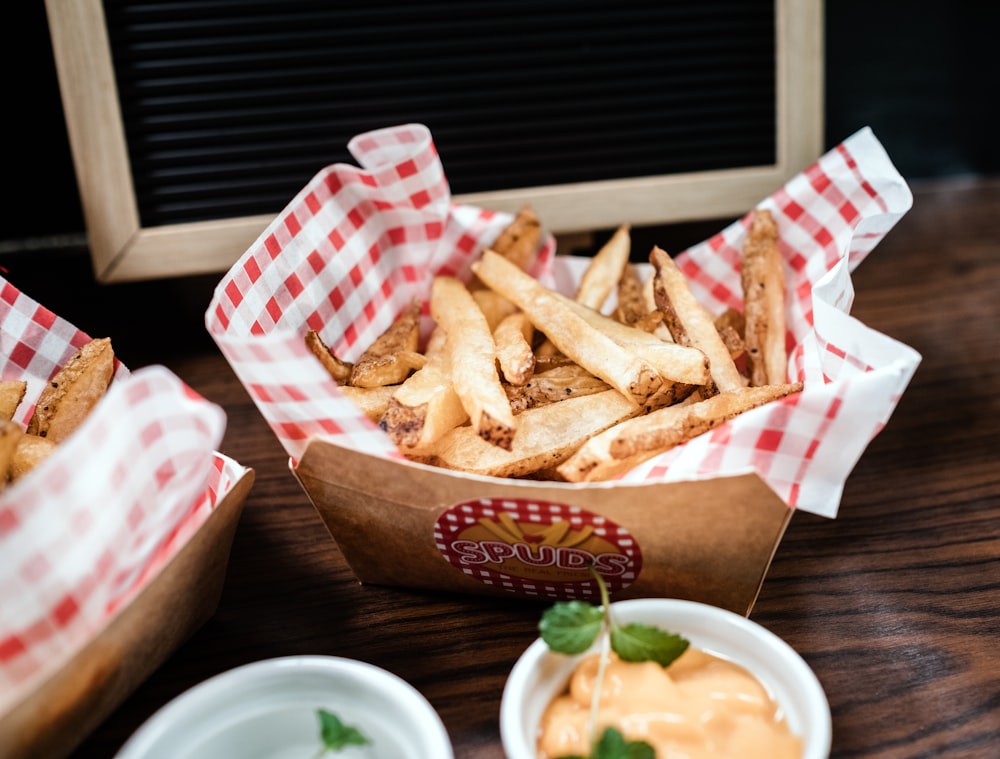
[923, 75]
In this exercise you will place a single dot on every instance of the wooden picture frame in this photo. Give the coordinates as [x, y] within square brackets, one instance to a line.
[123, 250]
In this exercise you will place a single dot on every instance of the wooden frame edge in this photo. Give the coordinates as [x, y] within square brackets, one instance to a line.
[121, 250]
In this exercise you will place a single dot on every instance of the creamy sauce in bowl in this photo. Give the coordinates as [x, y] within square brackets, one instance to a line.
[700, 707]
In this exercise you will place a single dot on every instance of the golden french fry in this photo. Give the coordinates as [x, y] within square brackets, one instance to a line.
[519, 242]
[11, 395]
[546, 436]
[631, 375]
[73, 391]
[425, 406]
[514, 354]
[553, 385]
[732, 319]
[393, 355]
[732, 340]
[676, 363]
[763, 281]
[690, 323]
[30, 451]
[372, 401]
[633, 441]
[472, 358]
[631, 307]
[494, 306]
[605, 269]
[339, 370]
[10, 435]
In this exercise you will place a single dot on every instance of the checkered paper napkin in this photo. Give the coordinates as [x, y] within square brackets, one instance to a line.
[358, 243]
[82, 533]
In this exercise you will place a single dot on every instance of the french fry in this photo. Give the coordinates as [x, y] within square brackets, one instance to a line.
[31, 450]
[373, 401]
[494, 306]
[571, 334]
[597, 394]
[73, 391]
[11, 395]
[546, 436]
[553, 385]
[519, 242]
[339, 370]
[763, 282]
[10, 436]
[676, 363]
[425, 406]
[472, 357]
[631, 307]
[513, 348]
[690, 323]
[731, 319]
[605, 269]
[631, 442]
[393, 355]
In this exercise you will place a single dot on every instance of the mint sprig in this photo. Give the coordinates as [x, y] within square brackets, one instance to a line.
[336, 735]
[572, 627]
[612, 745]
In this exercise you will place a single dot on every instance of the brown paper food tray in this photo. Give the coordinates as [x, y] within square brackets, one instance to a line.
[707, 540]
[54, 719]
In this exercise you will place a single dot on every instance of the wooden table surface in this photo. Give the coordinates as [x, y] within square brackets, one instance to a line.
[895, 603]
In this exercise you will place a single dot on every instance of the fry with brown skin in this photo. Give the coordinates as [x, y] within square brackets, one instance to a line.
[520, 240]
[631, 442]
[546, 436]
[631, 307]
[393, 355]
[426, 405]
[11, 395]
[339, 370]
[731, 326]
[566, 330]
[763, 281]
[73, 391]
[556, 384]
[472, 358]
[10, 435]
[690, 323]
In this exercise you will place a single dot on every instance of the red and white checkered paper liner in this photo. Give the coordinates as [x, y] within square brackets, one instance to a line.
[84, 532]
[358, 243]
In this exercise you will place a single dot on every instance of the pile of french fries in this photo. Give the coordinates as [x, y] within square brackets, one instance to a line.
[518, 380]
[61, 408]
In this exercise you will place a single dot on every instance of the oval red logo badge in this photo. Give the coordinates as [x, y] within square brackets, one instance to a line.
[537, 548]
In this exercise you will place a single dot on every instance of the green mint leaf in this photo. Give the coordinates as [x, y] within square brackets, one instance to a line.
[571, 627]
[636, 642]
[335, 734]
[613, 745]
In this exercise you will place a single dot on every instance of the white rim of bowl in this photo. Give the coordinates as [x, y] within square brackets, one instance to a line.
[820, 740]
[195, 698]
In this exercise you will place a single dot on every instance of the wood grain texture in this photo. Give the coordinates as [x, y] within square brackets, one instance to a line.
[895, 604]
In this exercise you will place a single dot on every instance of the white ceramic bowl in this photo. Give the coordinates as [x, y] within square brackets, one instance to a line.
[268, 710]
[539, 675]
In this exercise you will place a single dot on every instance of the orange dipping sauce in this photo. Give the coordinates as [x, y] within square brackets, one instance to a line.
[700, 707]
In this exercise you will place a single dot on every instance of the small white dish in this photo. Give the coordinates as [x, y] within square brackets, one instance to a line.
[539, 675]
[269, 710]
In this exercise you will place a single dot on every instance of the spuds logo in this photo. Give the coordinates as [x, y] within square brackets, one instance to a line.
[537, 547]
